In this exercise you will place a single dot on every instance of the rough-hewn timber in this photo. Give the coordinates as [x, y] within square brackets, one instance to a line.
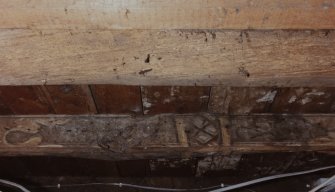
[168, 14]
[168, 57]
[125, 137]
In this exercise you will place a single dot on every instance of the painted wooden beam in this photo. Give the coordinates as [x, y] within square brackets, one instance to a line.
[126, 137]
[167, 14]
[293, 100]
[168, 57]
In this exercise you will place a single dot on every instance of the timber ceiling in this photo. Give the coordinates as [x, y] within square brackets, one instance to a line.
[102, 76]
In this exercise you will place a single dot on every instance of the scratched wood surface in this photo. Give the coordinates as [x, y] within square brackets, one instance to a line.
[176, 14]
[168, 57]
[174, 99]
[117, 99]
[126, 137]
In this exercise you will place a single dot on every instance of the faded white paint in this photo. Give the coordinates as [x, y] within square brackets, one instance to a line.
[292, 99]
[316, 93]
[268, 97]
[146, 103]
[166, 100]
[305, 100]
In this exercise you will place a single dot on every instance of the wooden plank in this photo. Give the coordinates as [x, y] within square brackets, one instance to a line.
[4, 109]
[241, 100]
[70, 99]
[176, 99]
[172, 57]
[247, 100]
[25, 100]
[168, 14]
[117, 99]
[305, 100]
[145, 137]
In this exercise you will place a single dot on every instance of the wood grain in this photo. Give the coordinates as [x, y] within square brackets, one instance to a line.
[126, 137]
[25, 100]
[168, 57]
[167, 14]
[70, 99]
[117, 99]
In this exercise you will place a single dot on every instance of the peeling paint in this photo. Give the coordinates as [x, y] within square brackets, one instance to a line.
[167, 100]
[315, 93]
[146, 103]
[268, 97]
[305, 100]
[292, 99]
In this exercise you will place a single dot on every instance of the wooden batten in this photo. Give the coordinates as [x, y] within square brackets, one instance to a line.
[125, 137]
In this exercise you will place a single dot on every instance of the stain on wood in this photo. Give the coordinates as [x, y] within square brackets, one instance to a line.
[176, 99]
[241, 100]
[117, 99]
[70, 99]
[25, 100]
[305, 100]
[126, 137]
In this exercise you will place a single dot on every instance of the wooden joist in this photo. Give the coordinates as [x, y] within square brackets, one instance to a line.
[168, 57]
[126, 137]
[167, 14]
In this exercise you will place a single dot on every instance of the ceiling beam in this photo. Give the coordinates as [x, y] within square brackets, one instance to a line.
[168, 57]
[167, 14]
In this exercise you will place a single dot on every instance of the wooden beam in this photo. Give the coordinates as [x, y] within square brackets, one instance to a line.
[125, 137]
[167, 14]
[168, 57]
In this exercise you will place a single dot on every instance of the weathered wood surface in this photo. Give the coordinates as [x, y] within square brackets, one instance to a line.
[248, 100]
[304, 100]
[167, 14]
[125, 137]
[168, 57]
[174, 99]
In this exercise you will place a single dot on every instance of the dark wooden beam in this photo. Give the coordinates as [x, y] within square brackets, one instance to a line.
[126, 137]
